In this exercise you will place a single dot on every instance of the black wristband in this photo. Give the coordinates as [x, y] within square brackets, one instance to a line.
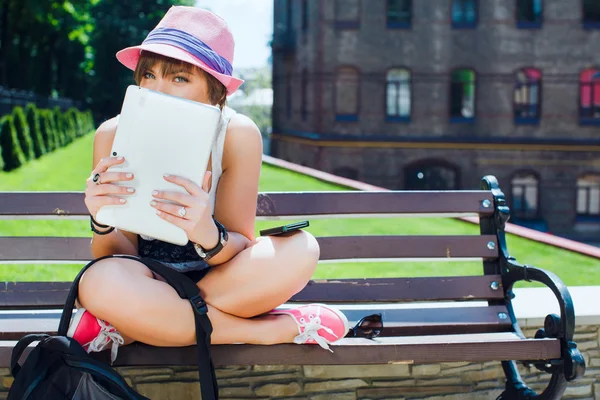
[96, 231]
[97, 224]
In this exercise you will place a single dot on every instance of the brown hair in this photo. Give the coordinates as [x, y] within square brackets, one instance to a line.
[217, 92]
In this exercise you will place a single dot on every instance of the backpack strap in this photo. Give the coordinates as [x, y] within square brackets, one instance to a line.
[186, 289]
[20, 348]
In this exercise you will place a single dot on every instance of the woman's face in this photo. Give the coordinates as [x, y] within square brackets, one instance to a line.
[187, 83]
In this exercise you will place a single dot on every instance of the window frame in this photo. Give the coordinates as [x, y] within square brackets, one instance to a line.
[528, 120]
[398, 118]
[583, 120]
[347, 24]
[399, 25]
[522, 214]
[463, 24]
[587, 216]
[347, 117]
[461, 119]
[529, 24]
[590, 24]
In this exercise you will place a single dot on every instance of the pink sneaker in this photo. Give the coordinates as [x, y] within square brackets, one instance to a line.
[94, 334]
[318, 324]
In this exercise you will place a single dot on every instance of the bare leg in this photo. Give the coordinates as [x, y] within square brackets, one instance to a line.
[124, 293]
[263, 276]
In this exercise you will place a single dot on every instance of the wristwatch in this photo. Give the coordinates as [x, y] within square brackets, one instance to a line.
[208, 254]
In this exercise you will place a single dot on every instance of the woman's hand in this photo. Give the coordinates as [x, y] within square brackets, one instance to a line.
[101, 192]
[193, 211]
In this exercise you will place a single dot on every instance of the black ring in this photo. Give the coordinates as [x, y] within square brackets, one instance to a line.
[96, 179]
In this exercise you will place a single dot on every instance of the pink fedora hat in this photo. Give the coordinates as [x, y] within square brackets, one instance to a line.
[192, 35]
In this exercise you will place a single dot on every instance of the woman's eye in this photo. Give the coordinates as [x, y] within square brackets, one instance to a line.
[181, 79]
[148, 75]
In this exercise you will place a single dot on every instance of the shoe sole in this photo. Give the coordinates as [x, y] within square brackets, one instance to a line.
[75, 322]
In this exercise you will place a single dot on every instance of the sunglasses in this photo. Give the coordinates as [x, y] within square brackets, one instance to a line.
[368, 327]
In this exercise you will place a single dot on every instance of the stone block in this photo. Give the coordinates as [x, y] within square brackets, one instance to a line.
[415, 391]
[278, 390]
[260, 379]
[235, 391]
[425, 370]
[590, 344]
[337, 396]
[597, 391]
[277, 368]
[231, 371]
[400, 382]
[170, 391]
[331, 385]
[129, 371]
[461, 370]
[356, 371]
[454, 364]
[7, 381]
[574, 390]
[451, 380]
[483, 375]
[155, 378]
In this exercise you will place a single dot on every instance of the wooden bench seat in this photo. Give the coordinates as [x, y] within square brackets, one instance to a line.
[426, 319]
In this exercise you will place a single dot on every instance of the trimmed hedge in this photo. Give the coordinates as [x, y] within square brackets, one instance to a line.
[35, 129]
[12, 155]
[31, 133]
[23, 132]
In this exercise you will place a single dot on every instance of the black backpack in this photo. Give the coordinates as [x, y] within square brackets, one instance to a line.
[59, 367]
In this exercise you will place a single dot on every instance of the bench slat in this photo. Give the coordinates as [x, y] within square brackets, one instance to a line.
[63, 204]
[434, 320]
[344, 248]
[400, 350]
[47, 295]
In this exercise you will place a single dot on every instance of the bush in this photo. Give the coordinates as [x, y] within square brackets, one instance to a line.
[47, 131]
[23, 133]
[35, 129]
[12, 155]
[60, 127]
[72, 119]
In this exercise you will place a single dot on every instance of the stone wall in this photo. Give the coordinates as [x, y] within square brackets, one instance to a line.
[446, 381]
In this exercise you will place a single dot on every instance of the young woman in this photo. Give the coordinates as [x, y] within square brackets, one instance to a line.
[242, 278]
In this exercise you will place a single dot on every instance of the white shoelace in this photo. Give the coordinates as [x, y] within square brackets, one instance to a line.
[108, 334]
[311, 331]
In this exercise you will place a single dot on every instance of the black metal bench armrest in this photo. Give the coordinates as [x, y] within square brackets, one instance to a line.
[571, 365]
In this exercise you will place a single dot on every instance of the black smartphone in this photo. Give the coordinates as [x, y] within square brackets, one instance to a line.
[284, 229]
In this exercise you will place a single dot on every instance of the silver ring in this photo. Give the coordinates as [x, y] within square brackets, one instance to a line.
[182, 211]
[96, 179]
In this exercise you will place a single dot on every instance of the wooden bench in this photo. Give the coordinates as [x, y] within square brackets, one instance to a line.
[426, 332]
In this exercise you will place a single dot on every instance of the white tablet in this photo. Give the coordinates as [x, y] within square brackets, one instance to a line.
[158, 134]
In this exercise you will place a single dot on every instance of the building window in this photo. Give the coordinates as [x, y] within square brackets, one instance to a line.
[462, 95]
[304, 83]
[399, 14]
[431, 175]
[527, 107]
[347, 14]
[398, 95]
[346, 172]
[589, 97]
[524, 194]
[464, 14]
[288, 97]
[346, 94]
[588, 196]
[304, 15]
[529, 13]
[591, 13]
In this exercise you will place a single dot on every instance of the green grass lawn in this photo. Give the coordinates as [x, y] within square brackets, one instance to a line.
[68, 168]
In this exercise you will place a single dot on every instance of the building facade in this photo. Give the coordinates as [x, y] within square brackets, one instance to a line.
[435, 94]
